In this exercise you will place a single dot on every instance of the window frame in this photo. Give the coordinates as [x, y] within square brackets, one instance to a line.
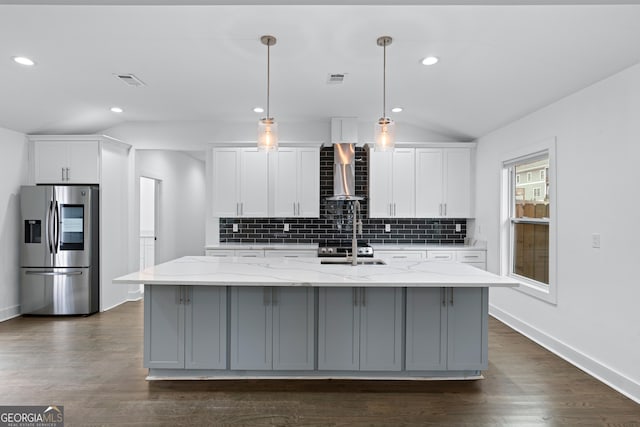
[539, 290]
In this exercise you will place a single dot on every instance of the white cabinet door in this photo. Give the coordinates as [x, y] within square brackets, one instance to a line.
[380, 329]
[285, 186]
[254, 183]
[163, 327]
[84, 162]
[308, 182]
[392, 183]
[50, 161]
[64, 162]
[429, 187]
[226, 182]
[457, 179]
[467, 328]
[293, 328]
[426, 333]
[380, 184]
[403, 186]
[443, 182]
[206, 327]
[296, 182]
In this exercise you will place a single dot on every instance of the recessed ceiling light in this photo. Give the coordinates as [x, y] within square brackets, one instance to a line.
[23, 60]
[116, 110]
[396, 109]
[430, 60]
[258, 110]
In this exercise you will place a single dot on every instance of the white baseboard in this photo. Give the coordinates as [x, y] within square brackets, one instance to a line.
[9, 312]
[135, 295]
[596, 369]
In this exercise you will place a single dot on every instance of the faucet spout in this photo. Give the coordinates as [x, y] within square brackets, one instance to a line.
[357, 228]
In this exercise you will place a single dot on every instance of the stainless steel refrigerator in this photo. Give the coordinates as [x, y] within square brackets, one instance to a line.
[60, 253]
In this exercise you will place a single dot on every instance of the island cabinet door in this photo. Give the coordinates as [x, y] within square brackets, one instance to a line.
[251, 328]
[467, 328]
[206, 327]
[338, 329]
[426, 331]
[163, 327]
[293, 328]
[380, 329]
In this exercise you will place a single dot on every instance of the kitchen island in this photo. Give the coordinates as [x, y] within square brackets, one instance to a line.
[224, 318]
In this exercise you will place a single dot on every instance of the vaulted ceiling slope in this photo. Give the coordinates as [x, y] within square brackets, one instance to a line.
[206, 63]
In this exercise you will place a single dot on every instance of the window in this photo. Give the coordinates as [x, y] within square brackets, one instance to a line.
[542, 175]
[528, 231]
[518, 179]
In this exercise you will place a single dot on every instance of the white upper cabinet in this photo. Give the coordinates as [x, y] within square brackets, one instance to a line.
[296, 182]
[443, 183]
[240, 182]
[66, 162]
[392, 183]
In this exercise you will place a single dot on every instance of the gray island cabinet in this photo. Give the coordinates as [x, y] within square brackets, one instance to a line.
[215, 318]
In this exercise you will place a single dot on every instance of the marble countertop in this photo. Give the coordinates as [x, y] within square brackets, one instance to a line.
[238, 271]
[425, 247]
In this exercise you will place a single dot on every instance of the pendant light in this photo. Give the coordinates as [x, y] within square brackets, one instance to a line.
[385, 127]
[267, 127]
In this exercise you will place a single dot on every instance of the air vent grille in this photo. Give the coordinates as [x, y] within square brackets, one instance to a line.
[130, 80]
[336, 78]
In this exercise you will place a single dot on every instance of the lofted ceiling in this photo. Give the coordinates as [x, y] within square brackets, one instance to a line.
[206, 63]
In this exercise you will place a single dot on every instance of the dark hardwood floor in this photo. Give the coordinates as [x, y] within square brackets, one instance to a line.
[93, 366]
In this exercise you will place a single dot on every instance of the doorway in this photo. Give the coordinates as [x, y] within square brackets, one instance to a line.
[149, 196]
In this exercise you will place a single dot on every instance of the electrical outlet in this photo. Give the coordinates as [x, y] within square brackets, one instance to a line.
[235, 228]
[286, 227]
[595, 240]
[458, 228]
[387, 228]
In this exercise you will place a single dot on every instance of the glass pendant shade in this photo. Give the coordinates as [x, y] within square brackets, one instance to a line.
[384, 132]
[267, 134]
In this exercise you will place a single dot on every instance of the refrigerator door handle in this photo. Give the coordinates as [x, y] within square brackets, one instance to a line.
[57, 228]
[50, 227]
[53, 273]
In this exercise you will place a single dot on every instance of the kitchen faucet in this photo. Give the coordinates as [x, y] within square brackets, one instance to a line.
[357, 228]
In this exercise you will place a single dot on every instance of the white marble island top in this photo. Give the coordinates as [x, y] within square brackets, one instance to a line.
[237, 271]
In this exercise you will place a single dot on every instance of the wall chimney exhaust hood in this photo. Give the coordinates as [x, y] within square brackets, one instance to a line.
[344, 173]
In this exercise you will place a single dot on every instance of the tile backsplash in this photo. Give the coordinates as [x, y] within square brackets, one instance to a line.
[335, 221]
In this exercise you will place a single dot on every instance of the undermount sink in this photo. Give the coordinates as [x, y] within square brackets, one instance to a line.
[348, 261]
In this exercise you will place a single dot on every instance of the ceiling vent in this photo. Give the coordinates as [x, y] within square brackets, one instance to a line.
[130, 80]
[336, 79]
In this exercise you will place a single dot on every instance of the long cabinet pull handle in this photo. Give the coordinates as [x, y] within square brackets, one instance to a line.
[298, 208]
[445, 209]
[68, 179]
[294, 208]
[443, 293]
[187, 294]
[179, 294]
[53, 273]
[62, 174]
[451, 300]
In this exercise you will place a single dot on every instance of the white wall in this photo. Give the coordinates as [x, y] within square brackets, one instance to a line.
[13, 164]
[596, 322]
[196, 135]
[182, 200]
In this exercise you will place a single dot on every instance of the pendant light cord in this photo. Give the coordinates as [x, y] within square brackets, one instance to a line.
[268, 74]
[384, 80]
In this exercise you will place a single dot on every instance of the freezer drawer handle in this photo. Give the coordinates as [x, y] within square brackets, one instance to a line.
[54, 273]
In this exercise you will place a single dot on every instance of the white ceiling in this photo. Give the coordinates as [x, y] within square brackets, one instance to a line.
[206, 63]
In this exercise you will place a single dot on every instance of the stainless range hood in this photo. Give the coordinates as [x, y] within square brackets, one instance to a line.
[344, 173]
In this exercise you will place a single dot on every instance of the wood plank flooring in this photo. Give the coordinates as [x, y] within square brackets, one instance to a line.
[93, 366]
